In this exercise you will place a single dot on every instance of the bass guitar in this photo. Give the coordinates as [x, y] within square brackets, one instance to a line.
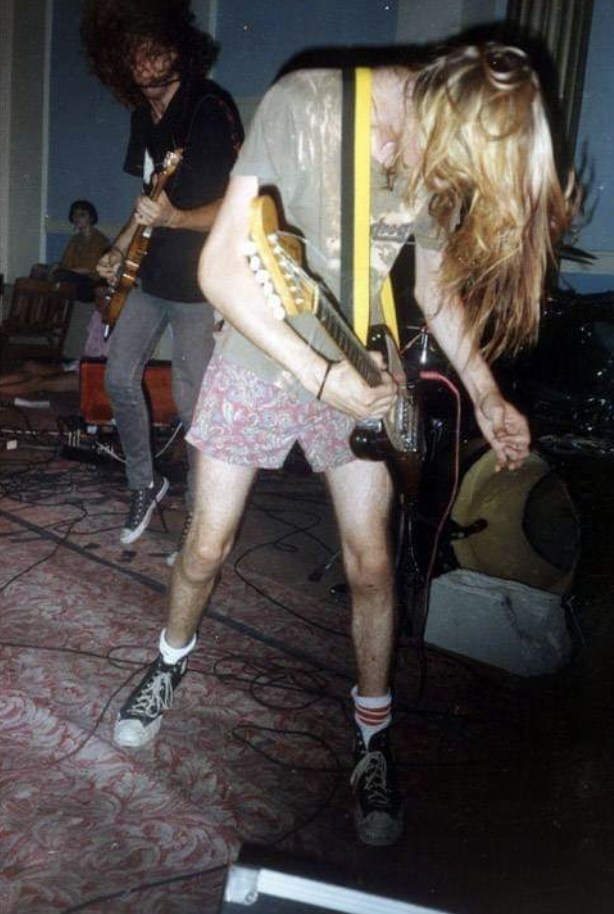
[122, 285]
[276, 259]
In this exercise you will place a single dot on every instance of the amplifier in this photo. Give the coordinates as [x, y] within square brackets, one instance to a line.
[94, 404]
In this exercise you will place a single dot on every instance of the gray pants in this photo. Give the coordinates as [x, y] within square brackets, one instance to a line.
[133, 341]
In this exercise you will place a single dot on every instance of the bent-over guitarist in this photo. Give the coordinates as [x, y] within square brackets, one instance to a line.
[461, 158]
[156, 62]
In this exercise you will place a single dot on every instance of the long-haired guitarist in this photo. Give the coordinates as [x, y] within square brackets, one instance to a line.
[154, 60]
[461, 158]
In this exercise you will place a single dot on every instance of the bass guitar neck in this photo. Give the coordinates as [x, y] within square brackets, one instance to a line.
[126, 279]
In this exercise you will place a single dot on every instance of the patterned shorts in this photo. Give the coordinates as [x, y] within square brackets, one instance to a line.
[241, 419]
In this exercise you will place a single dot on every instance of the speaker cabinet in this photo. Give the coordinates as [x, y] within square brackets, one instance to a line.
[94, 404]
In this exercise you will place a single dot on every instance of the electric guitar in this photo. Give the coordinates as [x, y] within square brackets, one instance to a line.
[275, 258]
[122, 285]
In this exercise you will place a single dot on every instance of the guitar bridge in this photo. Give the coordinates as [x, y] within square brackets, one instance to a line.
[407, 423]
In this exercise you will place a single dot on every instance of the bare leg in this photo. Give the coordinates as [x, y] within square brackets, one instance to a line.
[219, 501]
[362, 496]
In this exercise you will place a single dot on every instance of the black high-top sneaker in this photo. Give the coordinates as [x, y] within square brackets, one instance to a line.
[142, 505]
[378, 811]
[140, 717]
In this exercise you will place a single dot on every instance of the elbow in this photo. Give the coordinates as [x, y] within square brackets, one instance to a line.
[208, 272]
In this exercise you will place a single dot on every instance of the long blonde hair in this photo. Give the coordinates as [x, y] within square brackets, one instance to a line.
[489, 170]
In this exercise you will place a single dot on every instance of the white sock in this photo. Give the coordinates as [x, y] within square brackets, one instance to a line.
[372, 714]
[172, 655]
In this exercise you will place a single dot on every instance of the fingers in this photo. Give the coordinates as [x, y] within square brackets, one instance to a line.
[153, 212]
[345, 390]
[109, 264]
[506, 430]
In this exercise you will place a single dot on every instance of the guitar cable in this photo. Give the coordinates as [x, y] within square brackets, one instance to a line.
[421, 614]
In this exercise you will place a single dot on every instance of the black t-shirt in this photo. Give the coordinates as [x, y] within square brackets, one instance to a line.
[202, 118]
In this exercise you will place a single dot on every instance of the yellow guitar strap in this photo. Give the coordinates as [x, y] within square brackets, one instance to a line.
[362, 217]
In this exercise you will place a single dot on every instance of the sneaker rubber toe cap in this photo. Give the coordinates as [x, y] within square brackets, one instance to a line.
[132, 734]
[379, 828]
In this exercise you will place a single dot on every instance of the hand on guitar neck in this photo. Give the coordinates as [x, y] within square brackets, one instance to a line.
[121, 263]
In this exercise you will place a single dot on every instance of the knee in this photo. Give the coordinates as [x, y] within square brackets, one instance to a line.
[116, 378]
[204, 554]
[368, 569]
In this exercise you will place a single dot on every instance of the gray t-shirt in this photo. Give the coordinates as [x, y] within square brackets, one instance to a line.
[294, 146]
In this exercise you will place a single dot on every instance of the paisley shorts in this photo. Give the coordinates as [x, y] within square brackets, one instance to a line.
[241, 419]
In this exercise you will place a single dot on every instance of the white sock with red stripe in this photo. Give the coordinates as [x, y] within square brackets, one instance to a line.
[371, 714]
[172, 655]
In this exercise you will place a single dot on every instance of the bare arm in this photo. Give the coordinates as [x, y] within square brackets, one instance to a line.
[505, 429]
[230, 286]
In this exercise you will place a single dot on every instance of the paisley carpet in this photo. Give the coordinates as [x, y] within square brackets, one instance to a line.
[257, 749]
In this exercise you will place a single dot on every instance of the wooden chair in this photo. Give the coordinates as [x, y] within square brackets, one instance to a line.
[38, 319]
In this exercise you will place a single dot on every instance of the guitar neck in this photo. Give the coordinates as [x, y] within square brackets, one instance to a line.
[347, 342]
[144, 231]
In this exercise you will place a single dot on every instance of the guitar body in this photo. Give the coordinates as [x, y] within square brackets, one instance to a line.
[402, 431]
[275, 259]
[119, 293]
[126, 280]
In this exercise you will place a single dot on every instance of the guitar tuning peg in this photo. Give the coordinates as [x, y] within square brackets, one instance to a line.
[267, 288]
[255, 263]
[249, 249]
[262, 276]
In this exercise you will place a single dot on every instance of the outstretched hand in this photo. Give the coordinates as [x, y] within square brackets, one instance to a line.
[505, 429]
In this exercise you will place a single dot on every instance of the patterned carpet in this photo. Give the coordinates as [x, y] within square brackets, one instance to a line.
[256, 750]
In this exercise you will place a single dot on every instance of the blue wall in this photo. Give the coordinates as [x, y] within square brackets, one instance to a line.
[88, 128]
[88, 131]
[259, 37]
[595, 155]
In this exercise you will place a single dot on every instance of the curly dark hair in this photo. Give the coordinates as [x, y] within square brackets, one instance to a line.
[111, 31]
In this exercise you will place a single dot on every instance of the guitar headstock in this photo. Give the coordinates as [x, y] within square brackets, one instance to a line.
[171, 162]
[275, 258]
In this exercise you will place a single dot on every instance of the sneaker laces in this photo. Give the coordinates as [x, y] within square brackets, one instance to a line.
[137, 506]
[156, 696]
[374, 767]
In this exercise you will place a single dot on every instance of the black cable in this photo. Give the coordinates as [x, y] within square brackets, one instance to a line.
[144, 886]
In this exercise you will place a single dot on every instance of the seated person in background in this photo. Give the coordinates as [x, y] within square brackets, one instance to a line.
[59, 377]
[82, 253]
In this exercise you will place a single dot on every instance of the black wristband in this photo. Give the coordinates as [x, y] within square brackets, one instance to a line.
[324, 379]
